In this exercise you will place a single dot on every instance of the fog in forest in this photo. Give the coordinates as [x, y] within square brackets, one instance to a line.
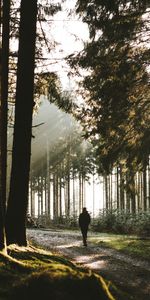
[52, 126]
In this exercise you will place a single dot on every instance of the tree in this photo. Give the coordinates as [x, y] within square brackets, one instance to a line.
[18, 196]
[117, 87]
[3, 116]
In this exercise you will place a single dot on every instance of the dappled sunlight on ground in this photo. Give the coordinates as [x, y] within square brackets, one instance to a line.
[70, 245]
[97, 265]
[92, 261]
[126, 272]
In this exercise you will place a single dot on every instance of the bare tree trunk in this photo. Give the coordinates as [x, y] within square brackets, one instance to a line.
[82, 190]
[3, 116]
[39, 198]
[18, 195]
[50, 187]
[144, 189]
[32, 198]
[47, 199]
[93, 192]
[80, 194]
[122, 201]
[117, 188]
[68, 196]
[106, 192]
[4, 96]
[128, 209]
[41, 192]
[55, 196]
[74, 202]
[60, 197]
[138, 192]
[131, 190]
[149, 183]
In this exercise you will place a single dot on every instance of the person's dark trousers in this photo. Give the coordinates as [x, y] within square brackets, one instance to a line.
[84, 235]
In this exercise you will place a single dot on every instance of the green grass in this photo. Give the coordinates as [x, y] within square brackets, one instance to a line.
[32, 273]
[131, 245]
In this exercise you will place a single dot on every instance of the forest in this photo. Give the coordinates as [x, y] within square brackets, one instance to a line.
[74, 133]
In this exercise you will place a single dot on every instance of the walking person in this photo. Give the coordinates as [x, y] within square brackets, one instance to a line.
[84, 221]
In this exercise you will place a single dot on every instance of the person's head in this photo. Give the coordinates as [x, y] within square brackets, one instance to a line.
[84, 209]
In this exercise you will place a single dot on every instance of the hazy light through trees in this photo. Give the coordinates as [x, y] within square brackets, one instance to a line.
[59, 126]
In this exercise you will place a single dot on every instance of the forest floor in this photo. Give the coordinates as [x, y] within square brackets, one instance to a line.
[128, 273]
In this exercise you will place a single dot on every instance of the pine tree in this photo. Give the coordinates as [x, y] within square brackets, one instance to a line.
[18, 196]
[3, 116]
[117, 87]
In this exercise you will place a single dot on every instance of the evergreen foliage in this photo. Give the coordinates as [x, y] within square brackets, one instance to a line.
[122, 222]
[116, 90]
[49, 85]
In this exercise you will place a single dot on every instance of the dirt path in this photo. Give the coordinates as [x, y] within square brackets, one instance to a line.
[130, 275]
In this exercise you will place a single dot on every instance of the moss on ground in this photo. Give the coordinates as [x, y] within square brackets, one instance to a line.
[131, 245]
[32, 273]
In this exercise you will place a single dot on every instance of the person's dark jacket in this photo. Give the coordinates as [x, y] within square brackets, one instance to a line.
[84, 219]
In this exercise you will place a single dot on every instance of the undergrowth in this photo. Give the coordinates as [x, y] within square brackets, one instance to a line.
[111, 221]
[122, 222]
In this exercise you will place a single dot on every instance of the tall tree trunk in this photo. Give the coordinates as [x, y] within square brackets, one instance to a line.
[145, 188]
[122, 201]
[82, 190]
[138, 191]
[131, 190]
[45, 195]
[3, 116]
[68, 192]
[93, 192]
[110, 190]
[39, 197]
[55, 196]
[73, 196]
[128, 202]
[32, 198]
[60, 197]
[50, 195]
[117, 188]
[149, 183]
[47, 189]
[106, 191]
[4, 96]
[41, 192]
[80, 194]
[18, 195]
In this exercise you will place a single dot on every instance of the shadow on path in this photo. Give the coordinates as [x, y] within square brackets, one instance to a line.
[130, 275]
